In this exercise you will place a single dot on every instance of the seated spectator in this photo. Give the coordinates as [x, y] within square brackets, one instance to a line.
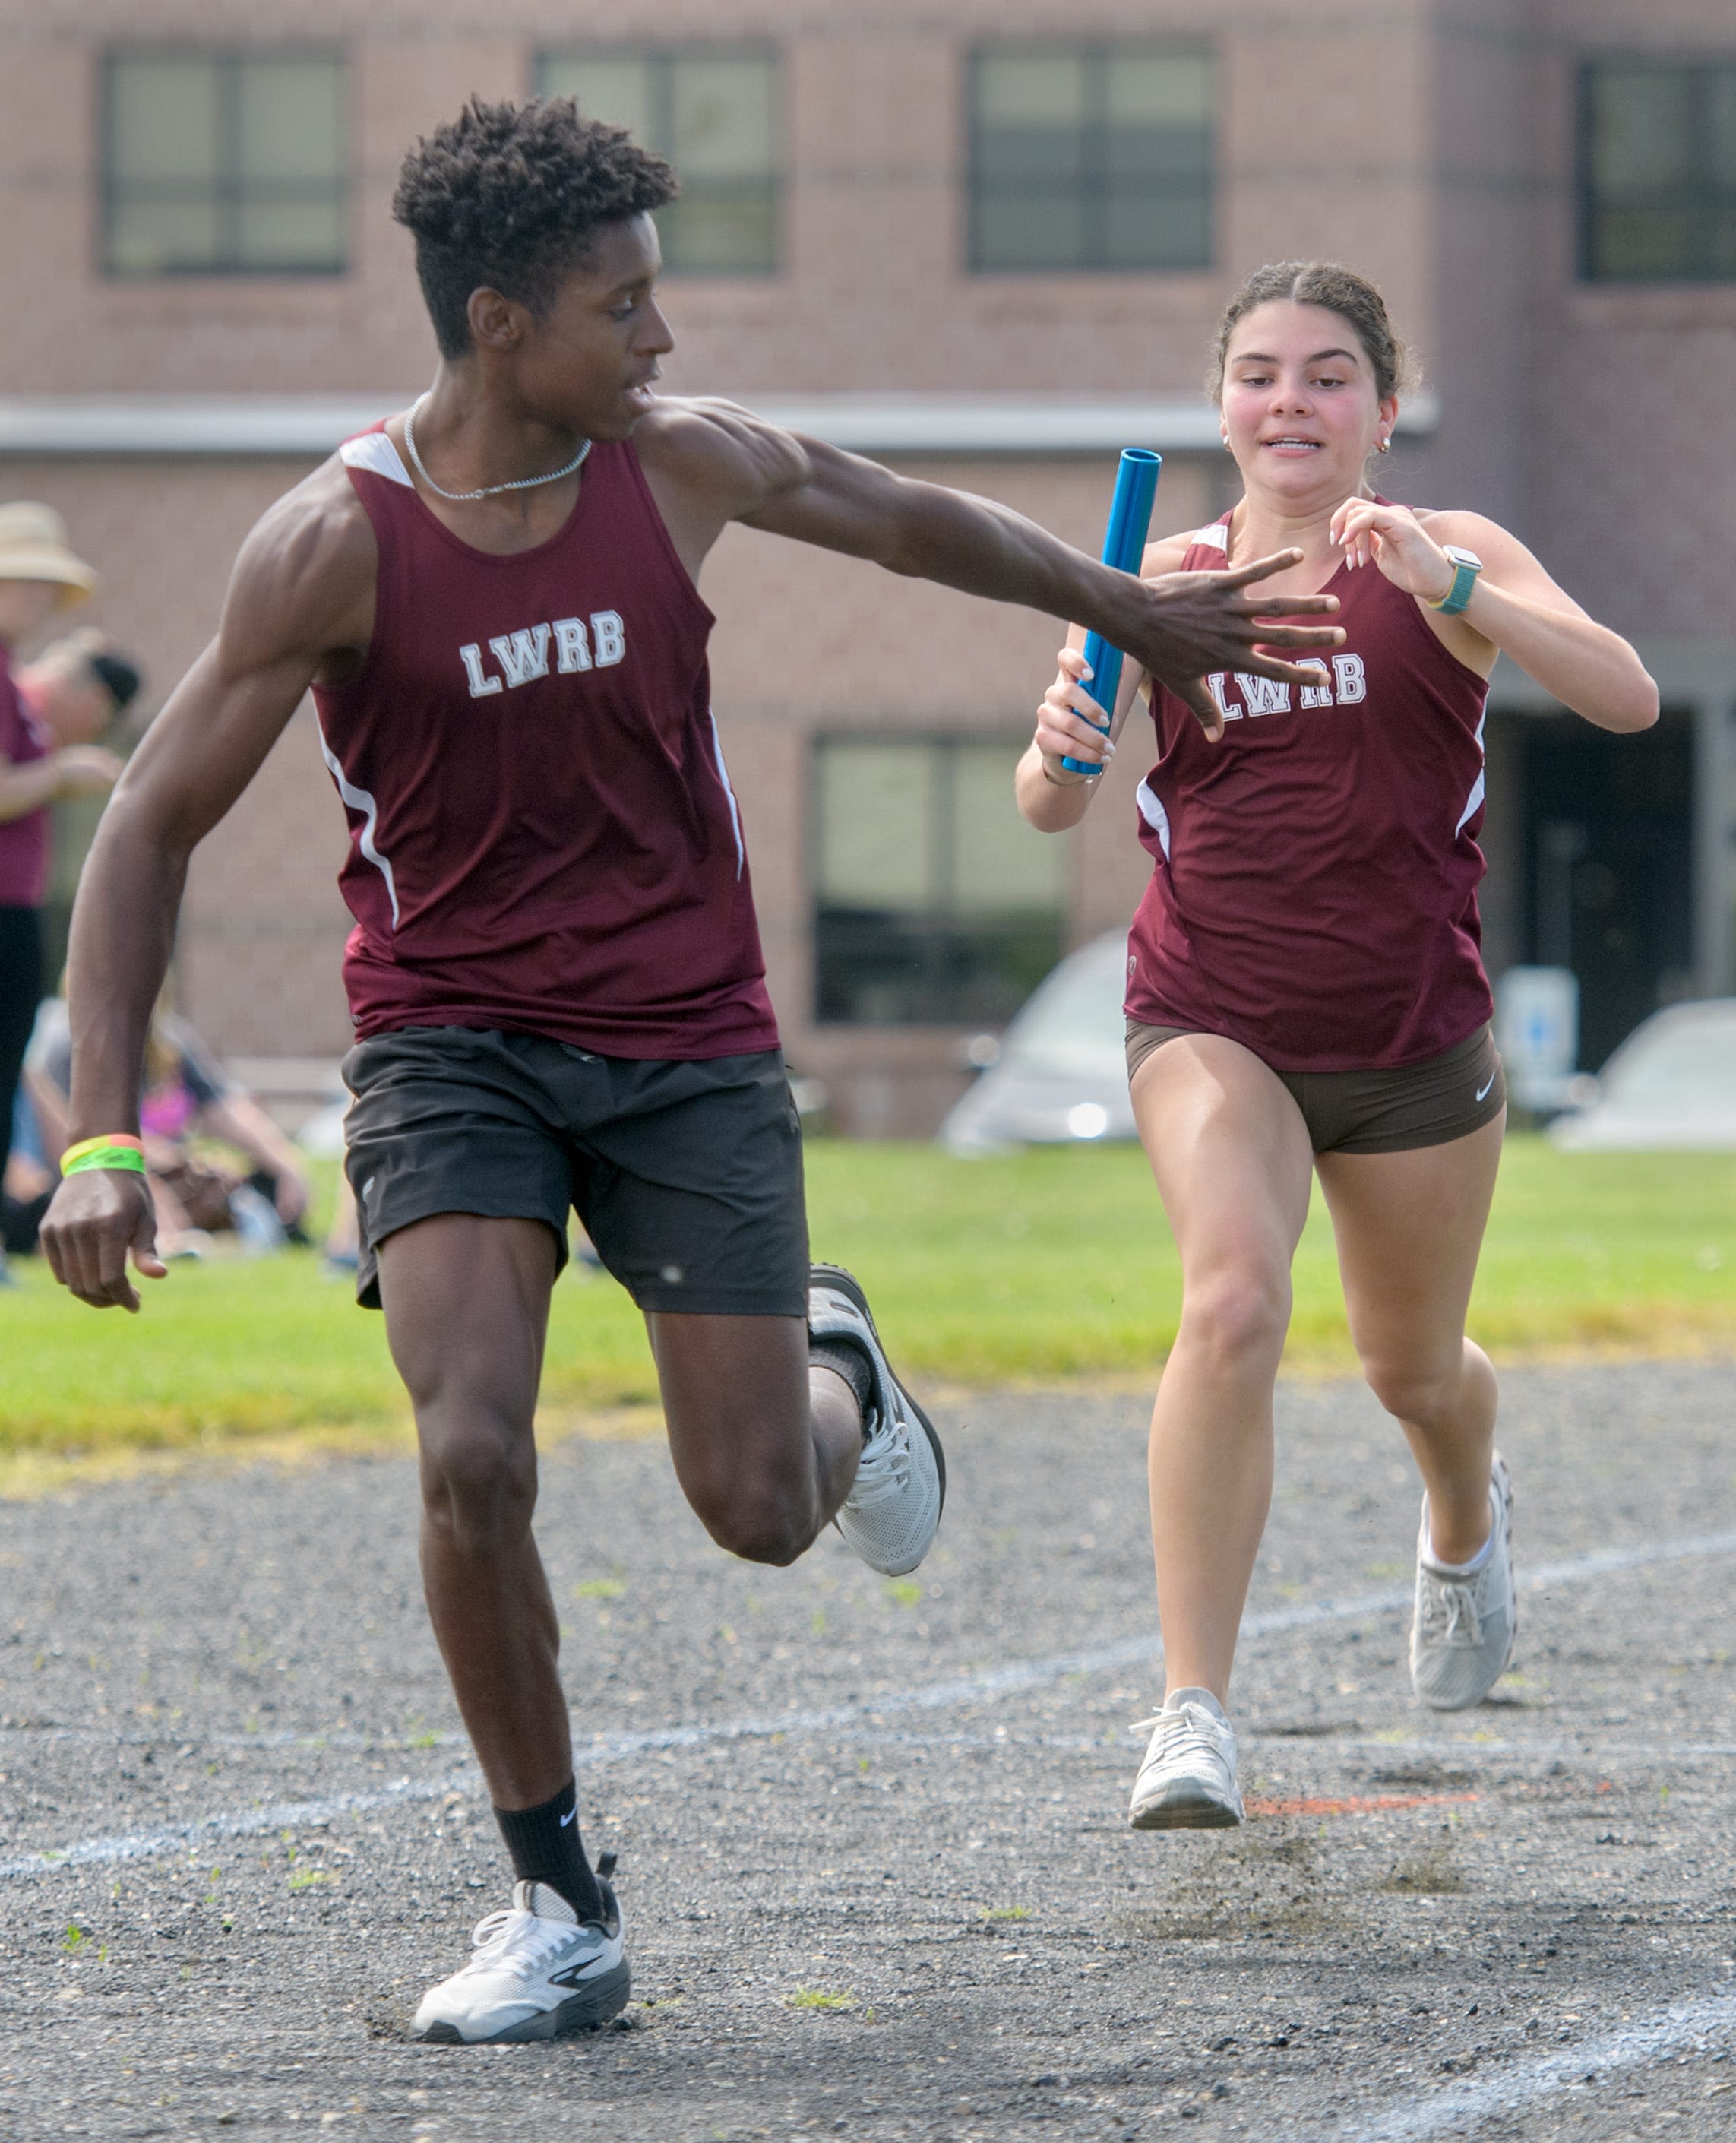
[186, 1095]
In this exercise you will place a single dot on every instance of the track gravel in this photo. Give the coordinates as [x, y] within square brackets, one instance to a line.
[878, 1886]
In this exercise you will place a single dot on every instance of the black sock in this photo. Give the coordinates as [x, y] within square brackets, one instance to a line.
[846, 1359]
[545, 1848]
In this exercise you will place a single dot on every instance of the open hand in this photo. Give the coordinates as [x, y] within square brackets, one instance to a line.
[1393, 539]
[1194, 623]
[97, 1217]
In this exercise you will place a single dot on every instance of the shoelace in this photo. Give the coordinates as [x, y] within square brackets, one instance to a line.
[517, 1939]
[883, 1470]
[1192, 1731]
[1455, 1602]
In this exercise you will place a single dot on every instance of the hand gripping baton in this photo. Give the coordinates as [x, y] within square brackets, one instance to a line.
[1124, 547]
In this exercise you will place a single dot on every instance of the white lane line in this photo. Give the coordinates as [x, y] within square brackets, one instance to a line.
[243, 1823]
[1460, 2109]
[1111, 1747]
[308, 1744]
[1634, 1557]
[936, 1697]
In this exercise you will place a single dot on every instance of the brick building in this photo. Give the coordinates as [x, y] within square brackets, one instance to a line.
[986, 241]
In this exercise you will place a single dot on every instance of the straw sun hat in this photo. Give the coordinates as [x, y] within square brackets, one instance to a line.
[34, 546]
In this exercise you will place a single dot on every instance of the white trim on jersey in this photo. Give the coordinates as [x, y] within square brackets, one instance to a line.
[358, 799]
[1479, 787]
[1151, 810]
[374, 451]
[1214, 538]
[722, 775]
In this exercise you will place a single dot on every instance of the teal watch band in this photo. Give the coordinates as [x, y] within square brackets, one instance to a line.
[1465, 568]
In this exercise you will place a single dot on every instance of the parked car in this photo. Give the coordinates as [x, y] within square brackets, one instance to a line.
[1671, 1083]
[1060, 1072]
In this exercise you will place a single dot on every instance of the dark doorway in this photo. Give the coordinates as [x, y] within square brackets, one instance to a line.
[1608, 877]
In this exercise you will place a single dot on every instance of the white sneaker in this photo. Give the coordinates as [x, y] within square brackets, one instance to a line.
[1188, 1780]
[893, 1508]
[1462, 1634]
[538, 1971]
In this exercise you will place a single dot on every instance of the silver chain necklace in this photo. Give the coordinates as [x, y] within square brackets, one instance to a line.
[488, 490]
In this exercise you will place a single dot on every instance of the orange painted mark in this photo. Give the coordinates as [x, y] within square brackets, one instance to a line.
[1349, 1804]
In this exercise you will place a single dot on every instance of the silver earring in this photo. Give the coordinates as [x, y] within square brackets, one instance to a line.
[1386, 445]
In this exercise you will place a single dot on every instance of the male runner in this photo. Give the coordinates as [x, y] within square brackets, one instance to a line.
[555, 974]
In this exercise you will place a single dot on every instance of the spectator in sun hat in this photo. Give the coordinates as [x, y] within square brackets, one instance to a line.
[34, 549]
[40, 575]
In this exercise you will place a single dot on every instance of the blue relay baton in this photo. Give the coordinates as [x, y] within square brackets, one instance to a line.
[1124, 547]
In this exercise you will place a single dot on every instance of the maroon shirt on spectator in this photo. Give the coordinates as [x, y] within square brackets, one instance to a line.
[1314, 893]
[23, 841]
[543, 838]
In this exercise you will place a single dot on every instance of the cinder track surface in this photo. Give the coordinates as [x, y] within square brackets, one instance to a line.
[872, 1837]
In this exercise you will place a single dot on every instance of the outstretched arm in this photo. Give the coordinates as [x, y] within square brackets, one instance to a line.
[1178, 627]
[302, 588]
[1515, 609]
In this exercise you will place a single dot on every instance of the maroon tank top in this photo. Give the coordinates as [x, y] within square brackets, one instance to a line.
[1314, 889]
[23, 840]
[543, 838]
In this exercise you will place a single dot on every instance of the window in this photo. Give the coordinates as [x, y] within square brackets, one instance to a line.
[1091, 157]
[936, 904]
[1657, 171]
[714, 114]
[223, 163]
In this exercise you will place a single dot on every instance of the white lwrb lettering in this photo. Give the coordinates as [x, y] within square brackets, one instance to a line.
[523, 654]
[1345, 683]
[572, 650]
[480, 683]
[1342, 685]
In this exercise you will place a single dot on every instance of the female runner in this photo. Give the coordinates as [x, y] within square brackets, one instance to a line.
[1304, 990]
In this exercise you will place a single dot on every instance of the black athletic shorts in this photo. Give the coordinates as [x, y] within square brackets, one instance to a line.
[1395, 1111]
[687, 1176]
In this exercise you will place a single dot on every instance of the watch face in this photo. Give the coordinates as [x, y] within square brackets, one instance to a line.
[1460, 557]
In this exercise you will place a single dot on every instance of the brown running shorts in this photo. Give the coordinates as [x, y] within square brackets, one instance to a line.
[1443, 1098]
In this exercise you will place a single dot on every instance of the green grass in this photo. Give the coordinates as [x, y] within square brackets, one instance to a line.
[1046, 1264]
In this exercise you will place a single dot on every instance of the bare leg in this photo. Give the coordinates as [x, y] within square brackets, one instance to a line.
[466, 1311]
[765, 1447]
[1230, 1154]
[1409, 1229]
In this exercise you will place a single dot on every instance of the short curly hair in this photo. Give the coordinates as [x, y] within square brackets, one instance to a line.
[510, 197]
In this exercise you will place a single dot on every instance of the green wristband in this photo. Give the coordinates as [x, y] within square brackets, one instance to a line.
[105, 1157]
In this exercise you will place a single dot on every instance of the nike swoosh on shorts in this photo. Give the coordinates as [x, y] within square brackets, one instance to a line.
[1484, 1089]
